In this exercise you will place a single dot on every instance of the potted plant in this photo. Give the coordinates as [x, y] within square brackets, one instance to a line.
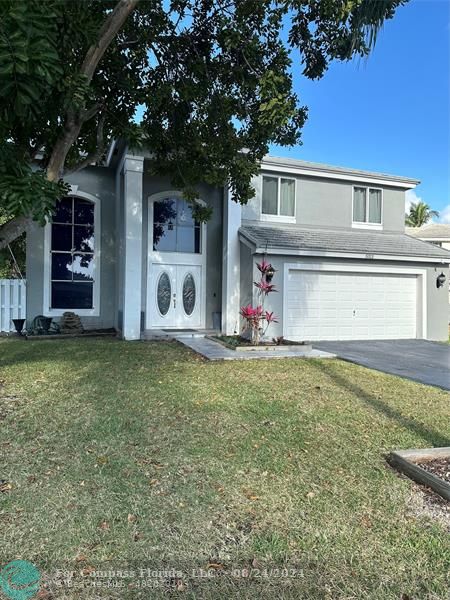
[18, 325]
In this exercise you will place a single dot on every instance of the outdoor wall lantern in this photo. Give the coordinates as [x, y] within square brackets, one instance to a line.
[270, 273]
[440, 280]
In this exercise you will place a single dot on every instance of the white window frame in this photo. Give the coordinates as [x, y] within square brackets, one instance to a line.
[278, 217]
[83, 312]
[367, 224]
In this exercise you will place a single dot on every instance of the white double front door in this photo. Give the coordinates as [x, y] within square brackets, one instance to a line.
[176, 264]
[175, 295]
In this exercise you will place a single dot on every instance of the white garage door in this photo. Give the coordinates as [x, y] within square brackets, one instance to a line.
[350, 306]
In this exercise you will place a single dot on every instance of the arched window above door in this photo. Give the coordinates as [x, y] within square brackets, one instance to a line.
[174, 229]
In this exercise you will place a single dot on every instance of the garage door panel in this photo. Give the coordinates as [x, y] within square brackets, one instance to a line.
[345, 333]
[348, 305]
[361, 313]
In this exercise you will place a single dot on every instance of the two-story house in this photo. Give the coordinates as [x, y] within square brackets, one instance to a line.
[123, 251]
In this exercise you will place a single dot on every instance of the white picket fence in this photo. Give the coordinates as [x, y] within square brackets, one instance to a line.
[12, 302]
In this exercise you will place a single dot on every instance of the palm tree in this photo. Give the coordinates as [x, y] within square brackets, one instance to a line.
[419, 214]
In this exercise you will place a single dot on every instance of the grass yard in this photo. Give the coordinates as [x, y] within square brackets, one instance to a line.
[142, 455]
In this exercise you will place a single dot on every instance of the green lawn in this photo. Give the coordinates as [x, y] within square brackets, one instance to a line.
[134, 455]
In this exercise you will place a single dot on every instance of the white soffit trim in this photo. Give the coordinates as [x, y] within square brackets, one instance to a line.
[430, 239]
[341, 175]
[368, 256]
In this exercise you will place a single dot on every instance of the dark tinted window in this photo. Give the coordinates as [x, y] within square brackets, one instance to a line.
[72, 254]
[174, 229]
[70, 294]
[63, 211]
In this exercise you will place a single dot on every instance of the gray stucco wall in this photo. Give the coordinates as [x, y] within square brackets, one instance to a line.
[107, 185]
[437, 299]
[35, 272]
[438, 308]
[246, 276]
[99, 182]
[213, 197]
[329, 203]
[119, 274]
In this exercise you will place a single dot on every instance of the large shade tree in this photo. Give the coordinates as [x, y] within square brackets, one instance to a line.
[419, 214]
[214, 78]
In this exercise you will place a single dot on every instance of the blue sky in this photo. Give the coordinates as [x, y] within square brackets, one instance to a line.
[389, 112]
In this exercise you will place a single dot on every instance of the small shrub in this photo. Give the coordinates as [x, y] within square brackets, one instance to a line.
[256, 318]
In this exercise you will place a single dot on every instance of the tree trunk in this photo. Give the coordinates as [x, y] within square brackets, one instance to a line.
[109, 30]
[12, 230]
[55, 168]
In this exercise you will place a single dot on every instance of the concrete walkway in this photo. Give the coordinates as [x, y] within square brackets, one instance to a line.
[215, 351]
[419, 360]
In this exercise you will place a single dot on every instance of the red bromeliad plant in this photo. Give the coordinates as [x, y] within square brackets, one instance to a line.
[257, 319]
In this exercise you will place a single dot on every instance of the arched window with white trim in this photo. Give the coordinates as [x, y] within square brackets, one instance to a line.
[73, 250]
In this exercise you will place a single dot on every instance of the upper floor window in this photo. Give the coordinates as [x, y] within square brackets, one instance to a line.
[278, 197]
[72, 247]
[367, 205]
[174, 229]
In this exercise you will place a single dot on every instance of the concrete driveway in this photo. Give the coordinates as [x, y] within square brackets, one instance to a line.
[419, 360]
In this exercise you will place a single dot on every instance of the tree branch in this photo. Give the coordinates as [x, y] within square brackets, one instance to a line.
[90, 112]
[93, 156]
[110, 28]
[12, 229]
[73, 124]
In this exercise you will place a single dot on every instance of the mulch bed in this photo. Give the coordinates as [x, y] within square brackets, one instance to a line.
[237, 340]
[439, 467]
[79, 334]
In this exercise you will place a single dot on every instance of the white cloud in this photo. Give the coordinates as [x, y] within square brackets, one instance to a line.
[411, 198]
[444, 214]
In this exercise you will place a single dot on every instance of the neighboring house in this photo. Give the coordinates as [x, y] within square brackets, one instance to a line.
[123, 251]
[435, 233]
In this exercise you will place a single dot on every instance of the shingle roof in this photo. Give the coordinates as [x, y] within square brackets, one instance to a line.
[431, 231]
[361, 241]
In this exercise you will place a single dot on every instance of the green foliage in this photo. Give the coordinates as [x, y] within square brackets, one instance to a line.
[24, 190]
[419, 214]
[201, 213]
[10, 268]
[215, 80]
[29, 59]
